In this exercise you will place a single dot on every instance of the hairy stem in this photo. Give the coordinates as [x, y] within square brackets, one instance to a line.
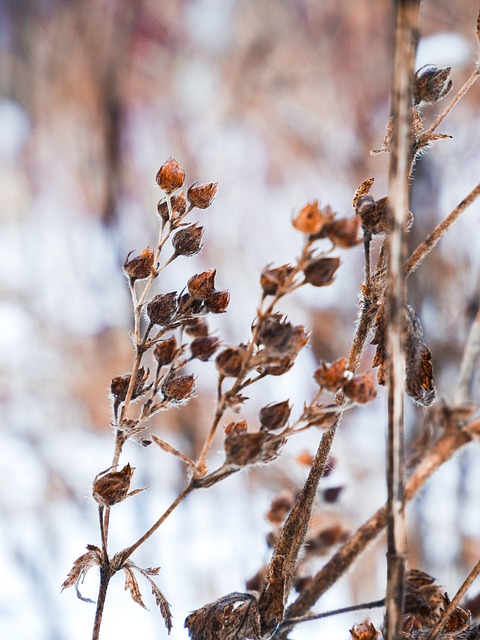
[105, 576]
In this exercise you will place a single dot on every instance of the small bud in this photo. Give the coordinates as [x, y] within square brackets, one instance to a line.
[320, 272]
[202, 195]
[170, 176]
[274, 416]
[162, 308]
[431, 84]
[230, 361]
[179, 207]
[178, 388]
[204, 347]
[202, 285]
[196, 327]
[110, 488]
[361, 388]
[331, 376]
[217, 302]
[188, 241]
[140, 267]
[271, 280]
[344, 232]
[165, 351]
[309, 219]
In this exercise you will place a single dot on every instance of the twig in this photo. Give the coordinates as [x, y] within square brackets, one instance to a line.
[429, 243]
[455, 602]
[450, 442]
[291, 622]
[406, 36]
[471, 353]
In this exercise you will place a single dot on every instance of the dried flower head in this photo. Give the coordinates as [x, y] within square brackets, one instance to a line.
[202, 195]
[119, 385]
[431, 84]
[140, 267]
[112, 487]
[196, 327]
[331, 376]
[202, 285]
[204, 347]
[170, 176]
[361, 388]
[320, 272]
[343, 232]
[309, 219]
[178, 203]
[217, 301]
[230, 361]
[165, 351]
[188, 241]
[271, 280]
[162, 308]
[275, 416]
[178, 388]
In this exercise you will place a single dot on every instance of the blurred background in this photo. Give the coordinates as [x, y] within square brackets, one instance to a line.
[280, 101]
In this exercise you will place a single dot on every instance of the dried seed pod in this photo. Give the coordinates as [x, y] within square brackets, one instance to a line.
[217, 301]
[119, 385]
[274, 416]
[162, 308]
[242, 448]
[204, 347]
[140, 267]
[188, 241]
[170, 176]
[202, 285]
[178, 388]
[320, 272]
[364, 631]
[202, 195]
[331, 494]
[230, 361]
[280, 508]
[344, 232]
[271, 280]
[331, 376]
[361, 388]
[196, 327]
[165, 351]
[110, 488]
[431, 84]
[189, 305]
[278, 366]
[275, 332]
[178, 203]
[309, 219]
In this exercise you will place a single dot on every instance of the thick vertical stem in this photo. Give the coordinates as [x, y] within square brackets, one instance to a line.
[406, 19]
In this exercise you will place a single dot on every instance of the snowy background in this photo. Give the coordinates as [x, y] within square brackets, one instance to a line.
[280, 102]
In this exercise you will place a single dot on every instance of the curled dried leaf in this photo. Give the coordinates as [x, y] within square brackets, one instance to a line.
[80, 568]
[131, 585]
[232, 617]
[418, 361]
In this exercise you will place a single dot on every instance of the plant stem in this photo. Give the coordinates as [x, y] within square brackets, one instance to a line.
[335, 612]
[406, 36]
[105, 576]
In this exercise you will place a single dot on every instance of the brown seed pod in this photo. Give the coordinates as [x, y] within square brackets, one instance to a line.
[202, 285]
[170, 176]
[140, 267]
[165, 351]
[110, 488]
[271, 280]
[178, 388]
[188, 241]
[230, 361]
[320, 272]
[274, 416]
[344, 232]
[217, 301]
[178, 203]
[431, 84]
[204, 347]
[331, 376]
[162, 308]
[202, 195]
[309, 219]
[361, 388]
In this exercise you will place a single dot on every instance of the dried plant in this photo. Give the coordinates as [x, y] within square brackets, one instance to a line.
[171, 329]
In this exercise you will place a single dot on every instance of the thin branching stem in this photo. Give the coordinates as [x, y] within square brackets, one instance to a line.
[291, 622]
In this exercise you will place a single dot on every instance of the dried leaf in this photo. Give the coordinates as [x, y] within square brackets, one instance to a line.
[80, 568]
[131, 585]
[362, 190]
[418, 365]
[386, 140]
[160, 599]
[233, 617]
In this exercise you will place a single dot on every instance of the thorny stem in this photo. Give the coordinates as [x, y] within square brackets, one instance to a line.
[432, 240]
[455, 602]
